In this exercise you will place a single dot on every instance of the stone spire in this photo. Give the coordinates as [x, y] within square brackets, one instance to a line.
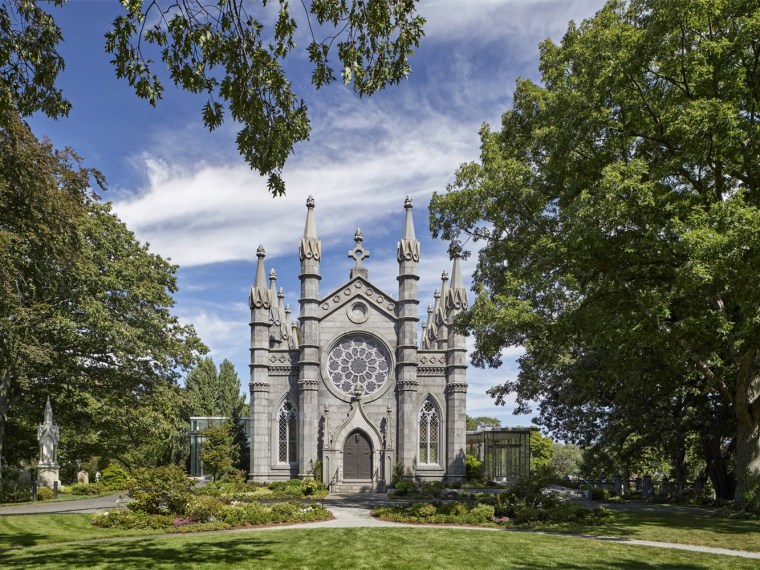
[441, 316]
[261, 303]
[311, 247]
[408, 255]
[275, 314]
[456, 297]
[259, 295]
[455, 301]
[408, 247]
[310, 253]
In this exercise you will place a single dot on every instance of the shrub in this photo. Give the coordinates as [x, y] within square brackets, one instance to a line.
[600, 494]
[44, 494]
[12, 492]
[423, 510]
[204, 509]
[473, 468]
[317, 471]
[114, 478]
[397, 474]
[160, 490]
[481, 513]
[405, 486]
[84, 489]
[125, 519]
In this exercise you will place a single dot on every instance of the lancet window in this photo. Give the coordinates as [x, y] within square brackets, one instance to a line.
[429, 433]
[288, 433]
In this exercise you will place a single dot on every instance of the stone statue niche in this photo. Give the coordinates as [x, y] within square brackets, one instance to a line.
[47, 435]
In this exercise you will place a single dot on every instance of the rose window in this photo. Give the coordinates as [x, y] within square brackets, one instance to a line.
[358, 361]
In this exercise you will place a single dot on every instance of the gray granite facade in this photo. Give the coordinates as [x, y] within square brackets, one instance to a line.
[350, 385]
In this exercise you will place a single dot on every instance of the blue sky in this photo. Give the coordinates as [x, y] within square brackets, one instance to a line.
[189, 194]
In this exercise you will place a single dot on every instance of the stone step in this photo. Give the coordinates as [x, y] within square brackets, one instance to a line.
[353, 487]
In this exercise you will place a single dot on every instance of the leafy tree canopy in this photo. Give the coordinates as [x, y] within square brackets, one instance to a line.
[85, 308]
[482, 422]
[618, 213]
[230, 51]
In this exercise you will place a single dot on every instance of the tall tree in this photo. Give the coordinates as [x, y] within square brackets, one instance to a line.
[619, 209]
[230, 51]
[86, 308]
[219, 452]
[212, 392]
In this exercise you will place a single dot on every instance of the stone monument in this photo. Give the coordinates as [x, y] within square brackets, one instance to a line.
[47, 435]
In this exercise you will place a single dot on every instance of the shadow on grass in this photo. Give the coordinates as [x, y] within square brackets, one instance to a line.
[145, 553]
[365, 548]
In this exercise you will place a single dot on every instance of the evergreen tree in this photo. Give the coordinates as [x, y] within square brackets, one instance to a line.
[213, 392]
[219, 451]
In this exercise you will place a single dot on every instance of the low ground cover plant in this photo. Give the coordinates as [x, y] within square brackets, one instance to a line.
[526, 503]
[208, 513]
[166, 499]
[237, 489]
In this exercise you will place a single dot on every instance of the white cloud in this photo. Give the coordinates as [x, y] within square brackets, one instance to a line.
[204, 213]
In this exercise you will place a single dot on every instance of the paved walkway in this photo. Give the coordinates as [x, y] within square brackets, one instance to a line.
[352, 511]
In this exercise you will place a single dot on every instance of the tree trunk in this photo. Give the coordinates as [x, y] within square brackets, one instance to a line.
[716, 466]
[747, 496]
[5, 388]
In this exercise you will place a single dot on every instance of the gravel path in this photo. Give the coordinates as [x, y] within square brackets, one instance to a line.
[352, 511]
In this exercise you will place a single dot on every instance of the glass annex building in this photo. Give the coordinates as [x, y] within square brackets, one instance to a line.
[504, 452]
[197, 426]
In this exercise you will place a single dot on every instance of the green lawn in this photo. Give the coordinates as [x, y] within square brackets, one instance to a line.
[64, 497]
[692, 527]
[407, 548]
[31, 530]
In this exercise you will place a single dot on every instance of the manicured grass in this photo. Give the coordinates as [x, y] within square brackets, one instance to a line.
[689, 527]
[31, 530]
[63, 498]
[407, 548]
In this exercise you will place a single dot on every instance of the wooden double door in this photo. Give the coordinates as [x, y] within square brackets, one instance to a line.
[357, 456]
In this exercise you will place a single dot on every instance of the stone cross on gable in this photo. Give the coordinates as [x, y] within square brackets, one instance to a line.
[358, 253]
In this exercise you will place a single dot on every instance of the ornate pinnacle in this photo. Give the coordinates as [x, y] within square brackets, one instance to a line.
[260, 253]
[408, 203]
[281, 293]
[445, 275]
[272, 275]
[310, 201]
[437, 293]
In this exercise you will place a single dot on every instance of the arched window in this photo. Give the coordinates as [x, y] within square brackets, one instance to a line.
[429, 431]
[288, 430]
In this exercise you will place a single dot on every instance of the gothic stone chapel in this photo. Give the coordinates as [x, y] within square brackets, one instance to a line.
[349, 385]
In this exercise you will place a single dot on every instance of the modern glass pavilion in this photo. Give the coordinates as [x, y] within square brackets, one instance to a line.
[504, 452]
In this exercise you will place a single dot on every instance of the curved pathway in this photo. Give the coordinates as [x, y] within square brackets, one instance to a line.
[350, 511]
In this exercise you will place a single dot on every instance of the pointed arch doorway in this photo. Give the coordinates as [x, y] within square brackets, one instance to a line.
[357, 457]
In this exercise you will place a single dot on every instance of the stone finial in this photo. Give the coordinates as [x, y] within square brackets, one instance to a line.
[272, 276]
[358, 253]
[408, 248]
[456, 297]
[48, 417]
[259, 295]
[310, 229]
[260, 280]
[437, 294]
[310, 247]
